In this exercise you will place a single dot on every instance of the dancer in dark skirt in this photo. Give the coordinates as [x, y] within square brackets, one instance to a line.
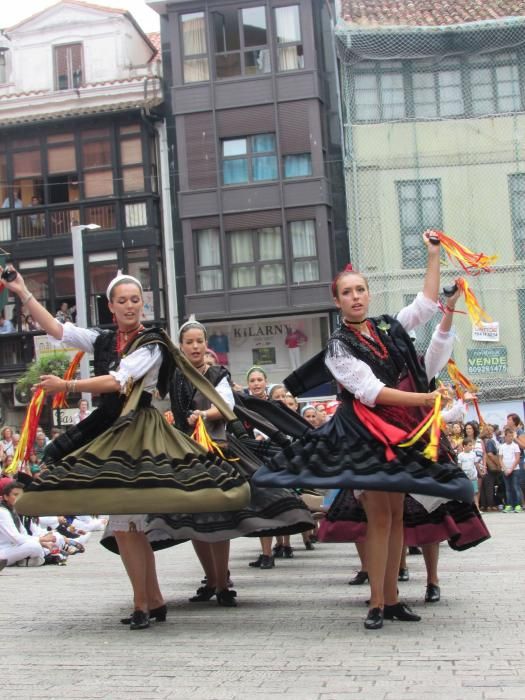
[426, 523]
[385, 391]
[270, 511]
[125, 458]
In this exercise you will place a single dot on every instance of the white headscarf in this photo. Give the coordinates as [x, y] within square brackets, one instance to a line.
[119, 279]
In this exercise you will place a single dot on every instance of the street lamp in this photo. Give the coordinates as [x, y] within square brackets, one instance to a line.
[80, 290]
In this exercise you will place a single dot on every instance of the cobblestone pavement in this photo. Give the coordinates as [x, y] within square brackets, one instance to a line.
[297, 633]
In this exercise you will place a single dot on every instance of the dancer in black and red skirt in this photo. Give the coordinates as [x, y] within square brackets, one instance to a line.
[426, 523]
[385, 392]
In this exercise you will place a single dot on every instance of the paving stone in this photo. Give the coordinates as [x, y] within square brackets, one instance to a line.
[297, 633]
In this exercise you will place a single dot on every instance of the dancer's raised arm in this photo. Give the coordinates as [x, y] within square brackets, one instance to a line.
[40, 314]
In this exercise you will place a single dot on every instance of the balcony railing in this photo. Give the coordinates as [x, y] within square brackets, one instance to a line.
[103, 215]
[61, 221]
[16, 352]
[55, 222]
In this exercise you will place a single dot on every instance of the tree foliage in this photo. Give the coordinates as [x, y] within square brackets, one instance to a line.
[52, 363]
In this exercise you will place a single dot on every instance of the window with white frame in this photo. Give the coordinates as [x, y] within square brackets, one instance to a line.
[437, 89]
[249, 159]
[494, 83]
[420, 208]
[208, 256]
[3, 67]
[379, 91]
[256, 257]
[305, 265]
[194, 47]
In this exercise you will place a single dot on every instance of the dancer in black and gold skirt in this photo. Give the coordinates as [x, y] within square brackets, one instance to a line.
[125, 458]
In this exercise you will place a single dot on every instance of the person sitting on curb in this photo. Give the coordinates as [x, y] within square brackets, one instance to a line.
[16, 546]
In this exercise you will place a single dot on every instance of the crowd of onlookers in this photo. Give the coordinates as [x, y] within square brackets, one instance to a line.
[492, 456]
[32, 541]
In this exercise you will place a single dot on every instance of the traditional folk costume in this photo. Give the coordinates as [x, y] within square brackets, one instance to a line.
[270, 512]
[125, 458]
[358, 447]
[425, 521]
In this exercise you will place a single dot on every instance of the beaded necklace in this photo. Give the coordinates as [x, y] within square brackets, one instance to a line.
[382, 352]
[124, 337]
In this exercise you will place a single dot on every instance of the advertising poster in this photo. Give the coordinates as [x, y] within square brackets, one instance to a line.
[279, 345]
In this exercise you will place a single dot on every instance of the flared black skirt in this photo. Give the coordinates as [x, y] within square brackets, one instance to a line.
[344, 454]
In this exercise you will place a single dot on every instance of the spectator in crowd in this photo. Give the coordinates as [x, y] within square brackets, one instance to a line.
[39, 446]
[509, 456]
[468, 460]
[83, 411]
[291, 401]
[14, 201]
[16, 546]
[210, 358]
[6, 326]
[37, 220]
[7, 446]
[277, 392]
[491, 478]
[34, 465]
[471, 431]
[515, 422]
[309, 413]
[322, 416]
[456, 437]
[29, 324]
[65, 313]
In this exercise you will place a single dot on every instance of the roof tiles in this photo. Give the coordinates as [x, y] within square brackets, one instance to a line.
[369, 13]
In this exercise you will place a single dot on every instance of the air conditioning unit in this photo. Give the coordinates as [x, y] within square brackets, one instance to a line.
[21, 398]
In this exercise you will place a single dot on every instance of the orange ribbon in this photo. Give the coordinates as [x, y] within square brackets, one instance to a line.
[60, 400]
[476, 314]
[471, 262]
[28, 432]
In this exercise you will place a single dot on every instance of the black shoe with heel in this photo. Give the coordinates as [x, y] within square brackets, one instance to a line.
[433, 593]
[158, 614]
[204, 593]
[360, 578]
[374, 619]
[403, 575]
[226, 598]
[139, 620]
[400, 612]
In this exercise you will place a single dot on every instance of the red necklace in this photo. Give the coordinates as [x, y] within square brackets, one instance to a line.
[124, 337]
[382, 352]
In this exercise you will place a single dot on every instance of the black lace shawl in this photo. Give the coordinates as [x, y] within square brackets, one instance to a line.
[402, 357]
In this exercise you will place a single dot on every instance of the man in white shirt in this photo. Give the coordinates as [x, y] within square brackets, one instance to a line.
[15, 544]
[509, 458]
